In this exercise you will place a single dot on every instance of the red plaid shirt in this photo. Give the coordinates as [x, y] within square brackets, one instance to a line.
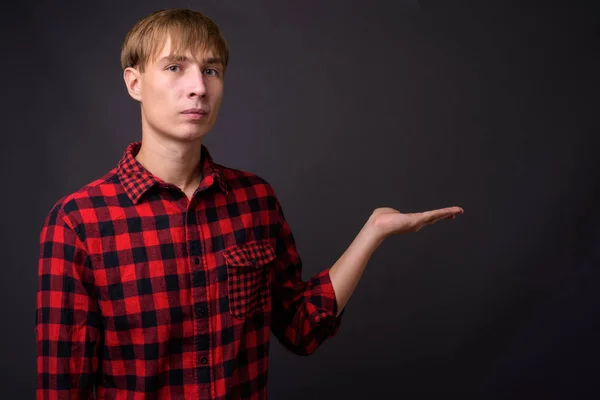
[144, 294]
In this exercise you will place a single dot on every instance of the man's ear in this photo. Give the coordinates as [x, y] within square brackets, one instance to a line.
[133, 82]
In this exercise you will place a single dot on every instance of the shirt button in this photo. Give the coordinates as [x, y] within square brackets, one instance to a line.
[196, 260]
[253, 261]
[203, 360]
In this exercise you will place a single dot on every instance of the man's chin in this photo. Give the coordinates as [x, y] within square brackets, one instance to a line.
[187, 136]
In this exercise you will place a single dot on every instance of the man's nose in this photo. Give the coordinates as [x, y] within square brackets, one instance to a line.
[196, 85]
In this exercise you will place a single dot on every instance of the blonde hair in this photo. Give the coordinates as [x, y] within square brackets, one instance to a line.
[188, 30]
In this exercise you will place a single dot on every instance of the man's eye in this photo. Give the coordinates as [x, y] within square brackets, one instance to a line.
[211, 71]
[170, 68]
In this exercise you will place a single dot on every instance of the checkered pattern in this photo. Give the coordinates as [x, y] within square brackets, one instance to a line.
[145, 294]
[248, 276]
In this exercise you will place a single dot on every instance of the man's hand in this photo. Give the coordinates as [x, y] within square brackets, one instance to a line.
[383, 222]
[387, 221]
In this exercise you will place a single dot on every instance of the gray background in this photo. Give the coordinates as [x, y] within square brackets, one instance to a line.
[345, 106]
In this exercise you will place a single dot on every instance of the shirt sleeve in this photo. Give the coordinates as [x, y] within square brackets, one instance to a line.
[304, 312]
[67, 314]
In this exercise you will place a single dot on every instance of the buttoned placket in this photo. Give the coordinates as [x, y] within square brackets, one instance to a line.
[199, 292]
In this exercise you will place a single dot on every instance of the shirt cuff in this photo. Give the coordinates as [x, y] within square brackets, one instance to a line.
[325, 314]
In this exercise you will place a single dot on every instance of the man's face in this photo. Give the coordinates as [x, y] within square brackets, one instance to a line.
[170, 89]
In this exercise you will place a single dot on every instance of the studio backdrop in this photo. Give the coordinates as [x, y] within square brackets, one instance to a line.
[343, 107]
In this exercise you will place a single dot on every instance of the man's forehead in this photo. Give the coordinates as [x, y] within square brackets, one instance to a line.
[167, 53]
[187, 56]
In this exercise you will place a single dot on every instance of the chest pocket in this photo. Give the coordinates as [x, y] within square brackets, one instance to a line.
[248, 277]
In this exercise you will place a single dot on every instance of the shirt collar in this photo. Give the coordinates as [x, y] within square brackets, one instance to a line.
[136, 179]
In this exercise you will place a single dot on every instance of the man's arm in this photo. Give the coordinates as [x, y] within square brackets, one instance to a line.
[67, 314]
[384, 222]
[304, 313]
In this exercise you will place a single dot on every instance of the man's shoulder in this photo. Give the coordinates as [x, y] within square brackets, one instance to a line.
[70, 205]
[239, 179]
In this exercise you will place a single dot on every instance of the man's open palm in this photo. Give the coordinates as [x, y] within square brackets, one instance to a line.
[392, 222]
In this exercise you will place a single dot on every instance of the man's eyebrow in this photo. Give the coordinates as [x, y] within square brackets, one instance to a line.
[213, 60]
[172, 58]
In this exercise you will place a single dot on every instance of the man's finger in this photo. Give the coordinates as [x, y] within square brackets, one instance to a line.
[433, 221]
[433, 216]
[436, 215]
[443, 214]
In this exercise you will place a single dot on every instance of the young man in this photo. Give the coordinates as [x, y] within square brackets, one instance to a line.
[164, 278]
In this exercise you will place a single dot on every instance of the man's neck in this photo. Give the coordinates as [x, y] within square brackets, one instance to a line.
[176, 163]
